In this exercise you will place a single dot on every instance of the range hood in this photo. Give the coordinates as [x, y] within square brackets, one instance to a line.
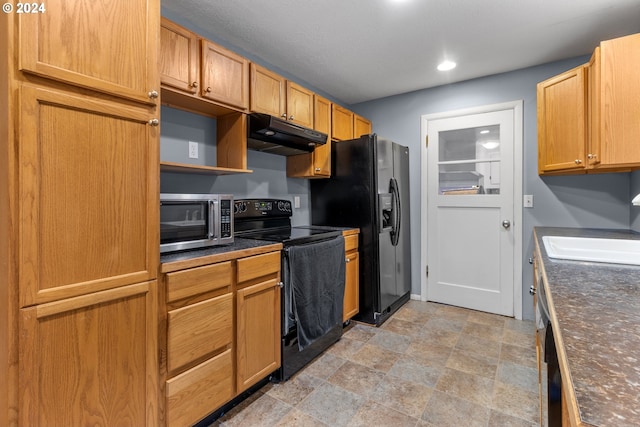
[277, 136]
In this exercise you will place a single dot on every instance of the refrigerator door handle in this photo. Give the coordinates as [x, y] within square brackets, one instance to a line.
[397, 212]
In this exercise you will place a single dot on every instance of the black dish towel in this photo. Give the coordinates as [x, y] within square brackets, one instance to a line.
[317, 274]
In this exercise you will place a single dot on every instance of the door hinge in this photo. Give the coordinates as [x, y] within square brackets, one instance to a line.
[426, 141]
[427, 270]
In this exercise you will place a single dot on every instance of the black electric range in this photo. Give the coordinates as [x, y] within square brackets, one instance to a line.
[270, 220]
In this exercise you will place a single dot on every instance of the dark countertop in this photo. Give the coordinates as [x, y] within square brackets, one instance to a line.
[240, 247]
[597, 307]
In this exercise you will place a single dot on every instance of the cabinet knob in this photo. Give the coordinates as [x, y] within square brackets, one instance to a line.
[291, 117]
[284, 116]
[578, 161]
[208, 89]
[532, 290]
[280, 284]
[194, 84]
[154, 122]
[347, 260]
[153, 94]
[591, 156]
[317, 169]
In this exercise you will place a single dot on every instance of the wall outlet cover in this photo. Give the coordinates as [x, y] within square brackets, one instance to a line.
[193, 150]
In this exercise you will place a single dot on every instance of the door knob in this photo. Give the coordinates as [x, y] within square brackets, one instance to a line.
[506, 224]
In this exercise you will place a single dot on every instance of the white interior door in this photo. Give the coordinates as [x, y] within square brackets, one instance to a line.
[470, 211]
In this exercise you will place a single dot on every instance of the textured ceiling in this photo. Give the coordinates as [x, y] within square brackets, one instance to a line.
[358, 50]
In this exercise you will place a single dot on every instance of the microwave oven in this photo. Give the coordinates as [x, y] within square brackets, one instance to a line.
[190, 221]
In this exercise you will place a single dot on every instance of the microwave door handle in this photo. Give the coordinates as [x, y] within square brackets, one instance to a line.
[213, 219]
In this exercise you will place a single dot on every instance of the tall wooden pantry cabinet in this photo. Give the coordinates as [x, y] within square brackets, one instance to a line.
[79, 175]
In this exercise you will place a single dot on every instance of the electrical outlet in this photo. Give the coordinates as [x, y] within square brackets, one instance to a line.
[528, 201]
[296, 202]
[193, 150]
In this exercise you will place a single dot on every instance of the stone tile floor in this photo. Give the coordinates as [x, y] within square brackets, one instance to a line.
[428, 365]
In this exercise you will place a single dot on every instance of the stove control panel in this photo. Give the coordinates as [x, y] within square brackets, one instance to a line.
[253, 208]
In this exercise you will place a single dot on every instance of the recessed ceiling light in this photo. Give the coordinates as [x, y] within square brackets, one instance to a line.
[446, 66]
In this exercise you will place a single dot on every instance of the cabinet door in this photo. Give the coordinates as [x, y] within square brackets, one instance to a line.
[562, 122]
[341, 123]
[225, 76]
[351, 290]
[258, 337]
[316, 164]
[299, 105]
[179, 57]
[361, 126]
[268, 92]
[110, 47]
[88, 195]
[322, 123]
[91, 360]
[618, 122]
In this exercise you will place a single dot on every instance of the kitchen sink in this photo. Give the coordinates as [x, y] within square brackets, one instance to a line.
[617, 251]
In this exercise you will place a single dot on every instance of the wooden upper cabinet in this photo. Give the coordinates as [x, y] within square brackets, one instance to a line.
[562, 122]
[322, 123]
[273, 94]
[109, 47]
[179, 57]
[200, 76]
[588, 116]
[361, 126]
[341, 123]
[88, 214]
[90, 360]
[225, 76]
[299, 105]
[268, 92]
[316, 164]
[615, 103]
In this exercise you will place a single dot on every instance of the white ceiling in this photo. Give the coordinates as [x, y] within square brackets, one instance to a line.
[358, 50]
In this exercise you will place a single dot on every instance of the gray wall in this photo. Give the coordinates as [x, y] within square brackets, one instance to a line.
[269, 177]
[598, 201]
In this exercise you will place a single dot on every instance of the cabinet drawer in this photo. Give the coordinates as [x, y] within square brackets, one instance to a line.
[350, 242]
[258, 266]
[186, 283]
[198, 329]
[192, 395]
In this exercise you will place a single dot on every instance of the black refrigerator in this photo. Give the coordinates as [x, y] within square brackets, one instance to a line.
[369, 189]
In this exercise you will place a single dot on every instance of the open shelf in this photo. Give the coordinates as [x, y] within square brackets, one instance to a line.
[199, 169]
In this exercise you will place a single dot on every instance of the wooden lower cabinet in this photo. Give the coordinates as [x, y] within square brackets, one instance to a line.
[86, 360]
[222, 333]
[258, 336]
[195, 393]
[258, 318]
[351, 304]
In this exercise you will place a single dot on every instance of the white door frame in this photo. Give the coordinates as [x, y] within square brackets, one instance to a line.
[517, 225]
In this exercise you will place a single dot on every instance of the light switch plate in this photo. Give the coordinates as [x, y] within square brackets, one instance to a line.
[528, 201]
[296, 202]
